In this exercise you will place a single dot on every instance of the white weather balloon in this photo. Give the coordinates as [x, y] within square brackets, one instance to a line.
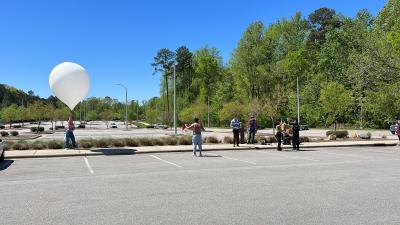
[70, 83]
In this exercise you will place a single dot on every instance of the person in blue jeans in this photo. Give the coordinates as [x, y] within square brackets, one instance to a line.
[197, 128]
[69, 134]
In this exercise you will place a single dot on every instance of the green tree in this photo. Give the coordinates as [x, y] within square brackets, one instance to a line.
[335, 101]
[9, 114]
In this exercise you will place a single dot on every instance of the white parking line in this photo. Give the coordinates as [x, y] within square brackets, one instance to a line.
[285, 155]
[88, 165]
[240, 160]
[162, 160]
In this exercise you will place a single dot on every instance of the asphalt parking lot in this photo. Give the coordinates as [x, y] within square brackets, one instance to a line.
[318, 186]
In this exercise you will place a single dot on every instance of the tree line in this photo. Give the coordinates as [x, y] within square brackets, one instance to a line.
[348, 71]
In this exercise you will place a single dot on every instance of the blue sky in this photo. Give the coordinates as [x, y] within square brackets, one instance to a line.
[116, 40]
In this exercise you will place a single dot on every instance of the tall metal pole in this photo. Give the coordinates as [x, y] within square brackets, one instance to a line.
[126, 105]
[175, 101]
[298, 101]
[126, 108]
[208, 108]
[137, 111]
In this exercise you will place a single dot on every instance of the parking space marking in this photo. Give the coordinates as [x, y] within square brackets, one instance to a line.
[163, 160]
[234, 159]
[345, 155]
[284, 155]
[88, 165]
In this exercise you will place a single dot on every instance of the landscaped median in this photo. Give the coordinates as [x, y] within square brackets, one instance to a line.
[46, 153]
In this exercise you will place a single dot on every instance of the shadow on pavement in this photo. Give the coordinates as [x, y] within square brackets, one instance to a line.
[211, 156]
[5, 164]
[115, 151]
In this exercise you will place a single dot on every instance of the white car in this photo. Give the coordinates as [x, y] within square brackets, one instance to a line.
[1, 150]
[160, 126]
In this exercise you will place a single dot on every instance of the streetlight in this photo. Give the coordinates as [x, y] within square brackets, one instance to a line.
[174, 99]
[298, 102]
[126, 105]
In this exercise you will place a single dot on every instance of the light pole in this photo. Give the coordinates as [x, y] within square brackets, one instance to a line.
[175, 99]
[298, 102]
[208, 111]
[126, 105]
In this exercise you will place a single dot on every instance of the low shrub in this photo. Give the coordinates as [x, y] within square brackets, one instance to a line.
[228, 140]
[332, 137]
[185, 140]
[20, 145]
[38, 145]
[55, 145]
[81, 126]
[35, 129]
[16, 126]
[338, 133]
[212, 140]
[365, 136]
[158, 141]
[270, 139]
[2, 127]
[86, 143]
[304, 139]
[171, 141]
[130, 142]
[14, 133]
[101, 143]
[8, 145]
[117, 143]
[260, 139]
[4, 133]
[144, 141]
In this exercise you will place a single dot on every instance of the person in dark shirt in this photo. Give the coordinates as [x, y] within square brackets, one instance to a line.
[296, 136]
[252, 126]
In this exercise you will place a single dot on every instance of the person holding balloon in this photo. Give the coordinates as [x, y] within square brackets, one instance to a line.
[69, 134]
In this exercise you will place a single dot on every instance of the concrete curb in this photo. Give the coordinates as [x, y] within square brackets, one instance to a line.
[60, 154]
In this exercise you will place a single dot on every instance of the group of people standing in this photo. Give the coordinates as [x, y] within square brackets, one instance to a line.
[281, 133]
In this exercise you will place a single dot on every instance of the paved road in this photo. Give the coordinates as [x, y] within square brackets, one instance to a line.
[322, 186]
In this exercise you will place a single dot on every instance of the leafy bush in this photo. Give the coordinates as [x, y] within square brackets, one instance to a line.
[14, 133]
[38, 145]
[338, 134]
[270, 139]
[158, 141]
[101, 143]
[8, 145]
[2, 127]
[130, 142]
[145, 142]
[304, 139]
[81, 126]
[212, 140]
[35, 129]
[171, 141]
[4, 133]
[86, 143]
[55, 145]
[185, 140]
[228, 140]
[16, 126]
[20, 145]
[365, 136]
[117, 143]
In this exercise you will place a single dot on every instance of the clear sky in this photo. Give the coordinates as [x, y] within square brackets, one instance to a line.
[116, 40]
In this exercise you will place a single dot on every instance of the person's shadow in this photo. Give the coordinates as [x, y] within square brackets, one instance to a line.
[211, 156]
[115, 151]
[5, 164]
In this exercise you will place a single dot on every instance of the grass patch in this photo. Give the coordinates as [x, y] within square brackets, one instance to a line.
[212, 140]
[101, 143]
[228, 140]
[131, 142]
[117, 143]
[86, 143]
[185, 140]
[171, 141]
[55, 145]
[20, 145]
[38, 145]
[145, 142]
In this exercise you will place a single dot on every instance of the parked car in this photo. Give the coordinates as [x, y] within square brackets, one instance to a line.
[304, 127]
[1, 150]
[393, 128]
[160, 126]
[113, 125]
